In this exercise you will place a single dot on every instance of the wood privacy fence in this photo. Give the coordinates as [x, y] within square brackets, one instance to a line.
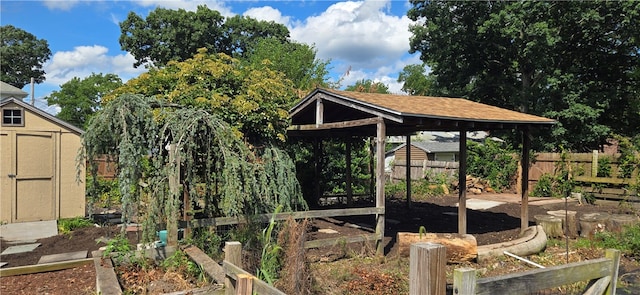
[420, 168]
[585, 168]
[428, 267]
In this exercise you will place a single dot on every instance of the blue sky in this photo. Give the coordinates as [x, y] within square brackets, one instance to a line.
[369, 39]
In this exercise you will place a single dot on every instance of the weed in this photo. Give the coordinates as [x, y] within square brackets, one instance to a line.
[269, 261]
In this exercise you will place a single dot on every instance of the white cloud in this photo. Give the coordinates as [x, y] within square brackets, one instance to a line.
[361, 34]
[85, 60]
[60, 5]
[268, 13]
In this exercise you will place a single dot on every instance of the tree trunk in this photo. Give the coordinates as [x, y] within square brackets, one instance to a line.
[569, 221]
[617, 222]
[460, 248]
[591, 223]
[552, 225]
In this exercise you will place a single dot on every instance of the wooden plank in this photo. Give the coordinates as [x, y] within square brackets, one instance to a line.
[614, 255]
[464, 281]
[598, 287]
[259, 286]
[609, 180]
[550, 277]
[210, 267]
[106, 279]
[381, 135]
[336, 125]
[335, 241]
[29, 269]
[244, 284]
[219, 221]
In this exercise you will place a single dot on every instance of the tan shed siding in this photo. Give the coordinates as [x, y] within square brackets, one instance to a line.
[72, 199]
[416, 154]
[5, 181]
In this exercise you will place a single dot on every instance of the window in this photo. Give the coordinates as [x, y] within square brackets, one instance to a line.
[12, 117]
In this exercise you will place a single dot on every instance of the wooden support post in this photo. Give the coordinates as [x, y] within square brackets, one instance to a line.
[233, 255]
[427, 269]
[244, 284]
[380, 143]
[408, 172]
[349, 179]
[524, 205]
[613, 254]
[462, 184]
[464, 281]
[174, 188]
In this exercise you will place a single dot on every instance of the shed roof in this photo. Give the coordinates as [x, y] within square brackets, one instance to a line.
[7, 90]
[403, 114]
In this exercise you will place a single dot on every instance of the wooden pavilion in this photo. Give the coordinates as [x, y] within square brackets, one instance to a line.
[326, 113]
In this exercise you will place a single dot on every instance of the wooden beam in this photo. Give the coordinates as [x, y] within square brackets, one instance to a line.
[380, 179]
[462, 184]
[319, 112]
[524, 205]
[44, 267]
[336, 125]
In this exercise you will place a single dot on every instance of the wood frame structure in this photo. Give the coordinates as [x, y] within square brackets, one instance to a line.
[326, 113]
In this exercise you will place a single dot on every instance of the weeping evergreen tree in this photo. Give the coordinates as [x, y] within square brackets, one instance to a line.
[222, 175]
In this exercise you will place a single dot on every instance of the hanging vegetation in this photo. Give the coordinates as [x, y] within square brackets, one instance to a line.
[221, 174]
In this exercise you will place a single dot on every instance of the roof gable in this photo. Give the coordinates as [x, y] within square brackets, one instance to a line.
[7, 90]
[40, 113]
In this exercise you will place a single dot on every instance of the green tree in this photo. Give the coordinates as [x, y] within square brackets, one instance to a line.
[297, 61]
[572, 61]
[22, 56]
[415, 81]
[368, 86]
[80, 98]
[252, 98]
[177, 35]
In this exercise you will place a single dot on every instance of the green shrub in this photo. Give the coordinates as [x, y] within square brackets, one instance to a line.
[67, 225]
[544, 186]
[493, 161]
[604, 167]
[628, 241]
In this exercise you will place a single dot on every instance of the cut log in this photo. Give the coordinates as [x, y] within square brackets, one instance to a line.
[592, 223]
[460, 247]
[533, 240]
[617, 222]
[552, 225]
[569, 221]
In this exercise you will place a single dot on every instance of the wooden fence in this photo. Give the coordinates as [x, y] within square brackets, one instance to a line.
[420, 168]
[585, 168]
[427, 275]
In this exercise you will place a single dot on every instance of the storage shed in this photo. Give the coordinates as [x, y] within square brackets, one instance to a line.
[38, 165]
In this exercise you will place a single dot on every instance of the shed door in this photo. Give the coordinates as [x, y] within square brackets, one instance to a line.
[33, 188]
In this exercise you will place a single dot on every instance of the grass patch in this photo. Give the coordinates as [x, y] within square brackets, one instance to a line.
[67, 225]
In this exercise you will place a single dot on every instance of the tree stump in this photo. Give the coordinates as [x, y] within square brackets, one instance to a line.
[460, 247]
[592, 223]
[617, 222]
[569, 222]
[552, 225]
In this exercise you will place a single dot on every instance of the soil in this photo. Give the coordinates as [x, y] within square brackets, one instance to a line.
[436, 214]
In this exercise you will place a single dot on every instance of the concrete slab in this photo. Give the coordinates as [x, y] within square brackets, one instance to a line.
[63, 257]
[29, 230]
[3, 264]
[476, 204]
[20, 249]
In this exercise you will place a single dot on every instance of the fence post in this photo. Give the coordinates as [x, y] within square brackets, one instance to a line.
[594, 163]
[233, 255]
[464, 281]
[244, 284]
[614, 255]
[427, 269]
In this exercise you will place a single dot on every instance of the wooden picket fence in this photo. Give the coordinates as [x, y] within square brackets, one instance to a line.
[428, 266]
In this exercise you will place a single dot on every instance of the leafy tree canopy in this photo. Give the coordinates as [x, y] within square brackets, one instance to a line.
[167, 34]
[80, 98]
[251, 97]
[296, 60]
[571, 61]
[368, 86]
[415, 81]
[22, 56]
[221, 174]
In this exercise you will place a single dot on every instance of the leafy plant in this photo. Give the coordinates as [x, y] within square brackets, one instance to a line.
[628, 241]
[67, 225]
[179, 262]
[270, 259]
[544, 186]
[492, 161]
[604, 167]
